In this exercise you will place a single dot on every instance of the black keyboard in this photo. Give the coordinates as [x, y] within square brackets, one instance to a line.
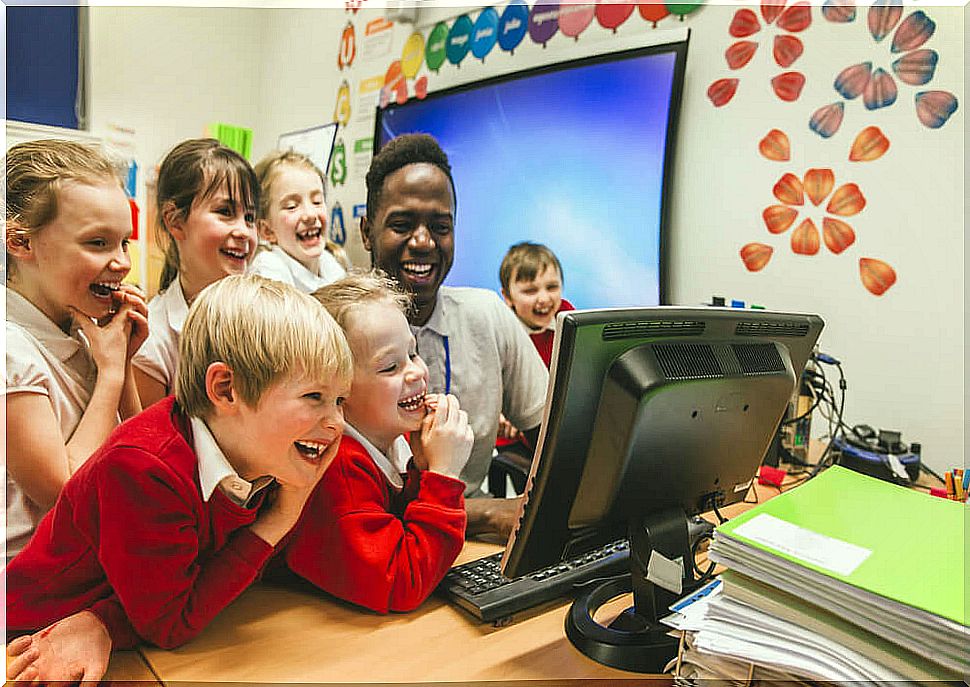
[479, 588]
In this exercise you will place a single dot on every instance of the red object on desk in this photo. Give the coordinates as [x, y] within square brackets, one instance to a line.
[939, 491]
[771, 476]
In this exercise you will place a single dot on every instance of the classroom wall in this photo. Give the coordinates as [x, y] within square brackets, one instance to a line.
[167, 72]
[902, 351]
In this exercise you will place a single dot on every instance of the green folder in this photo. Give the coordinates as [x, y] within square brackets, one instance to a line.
[916, 543]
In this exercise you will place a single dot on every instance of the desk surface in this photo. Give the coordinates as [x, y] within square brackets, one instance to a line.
[276, 634]
[298, 634]
[289, 634]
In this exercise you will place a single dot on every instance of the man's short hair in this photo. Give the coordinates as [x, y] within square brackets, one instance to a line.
[407, 149]
[265, 331]
[526, 261]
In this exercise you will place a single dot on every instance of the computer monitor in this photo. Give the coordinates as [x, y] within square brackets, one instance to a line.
[652, 415]
[575, 155]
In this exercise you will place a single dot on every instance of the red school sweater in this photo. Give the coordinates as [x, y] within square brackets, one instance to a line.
[131, 539]
[543, 340]
[361, 540]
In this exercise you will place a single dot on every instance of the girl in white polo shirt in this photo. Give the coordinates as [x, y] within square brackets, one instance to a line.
[72, 326]
[293, 224]
[206, 203]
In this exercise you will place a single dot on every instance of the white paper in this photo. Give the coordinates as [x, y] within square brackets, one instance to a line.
[828, 553]
[666, 573]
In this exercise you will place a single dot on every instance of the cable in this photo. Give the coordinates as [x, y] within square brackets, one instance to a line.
[927, 470]
[823, 461]
[720, 518]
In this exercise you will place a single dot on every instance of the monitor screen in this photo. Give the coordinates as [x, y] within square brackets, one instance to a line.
[649, 410]
[575, 155]
[652, 415]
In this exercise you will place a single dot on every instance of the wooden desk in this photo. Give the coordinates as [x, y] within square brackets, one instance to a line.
[128, 666]
[299, 634]
[276, 634]
[279, 634]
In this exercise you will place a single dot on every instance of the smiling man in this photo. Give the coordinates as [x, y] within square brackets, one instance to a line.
[473, 344]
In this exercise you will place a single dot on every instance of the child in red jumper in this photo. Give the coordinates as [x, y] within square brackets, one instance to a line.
[370, 534]
[177, 513]
[531, 279]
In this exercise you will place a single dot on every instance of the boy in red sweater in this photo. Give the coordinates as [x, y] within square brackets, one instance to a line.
[177, 513]
[531, 278]
[384, 526]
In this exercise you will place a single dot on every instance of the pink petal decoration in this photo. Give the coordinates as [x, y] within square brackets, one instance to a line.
[871, 144]
[740, 53]
[825, 121]
[770, 9]
[756, 256]
[796, 18]
[788, 86]
[837, 235]
[819, 184]
[852, 81]
[846, 201]
[721, 91]
[916, 68]
[804, 240]
[778, 218]
[877, 276]
[786, 50]
[915, 30]
[744, 24]
[789, 190]
[775, 146]
[935, 107]
[839, 11]
[880, 91]
[883, 17]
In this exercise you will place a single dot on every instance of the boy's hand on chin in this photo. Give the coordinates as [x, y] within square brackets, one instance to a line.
[285, 505]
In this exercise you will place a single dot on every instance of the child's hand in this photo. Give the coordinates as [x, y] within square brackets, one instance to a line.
[131, 295]
[108, 339]
[506, 430]
[445, 439]
[285, 505]
[76, 648]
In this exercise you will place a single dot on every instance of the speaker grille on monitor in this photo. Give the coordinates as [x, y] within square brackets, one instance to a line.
[771, 329]
[626, 330]
[687, 361]
[757, 359]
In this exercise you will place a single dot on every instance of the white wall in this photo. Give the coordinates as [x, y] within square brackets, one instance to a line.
[903, 352]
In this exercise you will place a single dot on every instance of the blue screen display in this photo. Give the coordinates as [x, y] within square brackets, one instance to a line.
[572, 158]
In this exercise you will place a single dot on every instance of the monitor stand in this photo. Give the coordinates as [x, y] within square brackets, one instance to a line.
[635, 640]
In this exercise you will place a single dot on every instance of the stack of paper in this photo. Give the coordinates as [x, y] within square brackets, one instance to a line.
[846, 578]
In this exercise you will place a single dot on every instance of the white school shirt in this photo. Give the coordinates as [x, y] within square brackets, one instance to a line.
[216, 471]
[41, 359]
[489, 364]
[275, 263]
[394, 464]
[158, 356]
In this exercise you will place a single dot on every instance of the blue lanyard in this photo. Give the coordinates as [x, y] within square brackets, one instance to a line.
[447, 365]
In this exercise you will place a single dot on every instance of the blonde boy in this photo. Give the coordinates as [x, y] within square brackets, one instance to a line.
[169, 521]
